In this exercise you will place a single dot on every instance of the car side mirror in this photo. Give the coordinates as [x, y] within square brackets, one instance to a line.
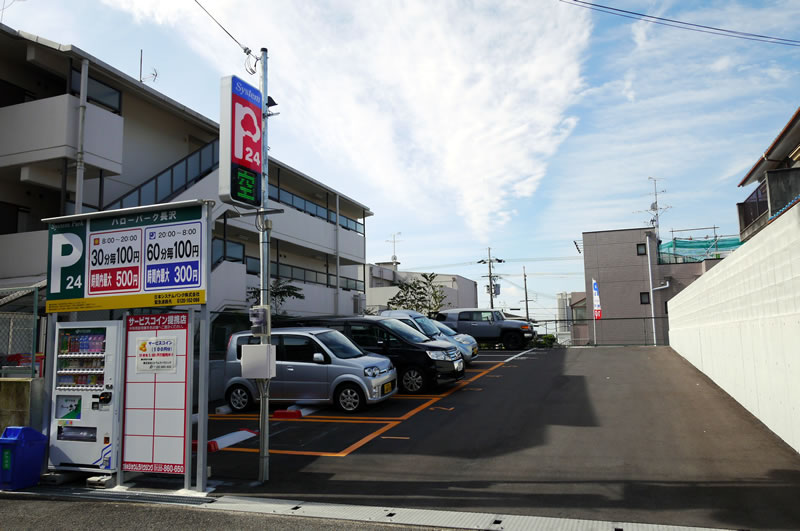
[318, 358]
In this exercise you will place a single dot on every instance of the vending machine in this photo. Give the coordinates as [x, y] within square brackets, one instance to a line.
[87, 396]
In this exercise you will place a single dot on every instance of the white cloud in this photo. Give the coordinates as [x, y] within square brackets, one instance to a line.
[426, 99]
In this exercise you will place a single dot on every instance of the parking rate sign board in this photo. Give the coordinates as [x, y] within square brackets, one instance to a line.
[136, 260]
[240, 138]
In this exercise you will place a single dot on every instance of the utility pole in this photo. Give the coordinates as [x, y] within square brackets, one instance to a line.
[525, 283]
[491, 276]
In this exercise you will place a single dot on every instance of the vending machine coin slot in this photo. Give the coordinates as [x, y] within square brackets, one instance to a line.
[105, 398]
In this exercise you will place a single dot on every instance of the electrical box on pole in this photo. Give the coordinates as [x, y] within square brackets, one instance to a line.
[260, 323]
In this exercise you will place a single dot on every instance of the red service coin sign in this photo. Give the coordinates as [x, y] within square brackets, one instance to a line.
[598, 314]
[246, 125]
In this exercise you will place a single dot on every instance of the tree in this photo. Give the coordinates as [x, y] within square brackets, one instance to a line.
[419, 294]
[280, 291]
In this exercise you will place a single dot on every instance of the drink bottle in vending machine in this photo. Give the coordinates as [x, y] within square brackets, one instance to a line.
[86, 396]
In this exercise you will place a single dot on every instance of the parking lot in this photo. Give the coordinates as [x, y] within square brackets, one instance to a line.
[623, 434]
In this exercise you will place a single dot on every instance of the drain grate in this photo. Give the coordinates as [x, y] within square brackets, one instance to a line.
[106, 495]
[150, 498]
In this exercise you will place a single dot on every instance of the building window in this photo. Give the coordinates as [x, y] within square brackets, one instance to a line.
[644, 297]
[97, 92]
[253, 265]
[641, 249]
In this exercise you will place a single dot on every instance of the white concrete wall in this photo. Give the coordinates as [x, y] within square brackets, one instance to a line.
[227, 287]
[48, 129]
[24, 254]
[154, 139]
[740, 325]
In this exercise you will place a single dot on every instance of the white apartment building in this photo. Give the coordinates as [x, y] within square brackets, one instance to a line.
[384, 281]
[141, 147]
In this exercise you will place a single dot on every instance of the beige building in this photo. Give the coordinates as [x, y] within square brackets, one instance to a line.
[634, 285]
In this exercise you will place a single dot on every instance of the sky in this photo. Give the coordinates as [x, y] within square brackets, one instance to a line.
[470, 125]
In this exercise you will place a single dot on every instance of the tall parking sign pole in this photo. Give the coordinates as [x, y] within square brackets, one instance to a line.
[263, 439]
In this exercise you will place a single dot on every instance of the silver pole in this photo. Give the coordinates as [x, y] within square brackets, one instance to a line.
[202, 384]
[263, 385]
[189, 404]
[80, 166]
[35, 331]
[652, 305]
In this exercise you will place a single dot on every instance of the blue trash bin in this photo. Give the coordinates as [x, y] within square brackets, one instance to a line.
[21, 456]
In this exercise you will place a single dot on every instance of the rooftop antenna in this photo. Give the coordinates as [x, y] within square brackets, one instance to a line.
[655, 211]
[152, 77]
[394, 241]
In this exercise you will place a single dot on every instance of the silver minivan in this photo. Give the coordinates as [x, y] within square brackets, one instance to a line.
[314, 365]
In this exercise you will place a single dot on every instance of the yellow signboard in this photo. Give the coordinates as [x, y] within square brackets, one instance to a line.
[118, 302]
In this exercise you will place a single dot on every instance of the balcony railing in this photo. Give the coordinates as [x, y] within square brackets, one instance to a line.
[173, 180]
[235, 253]
[190, 169]
[313, 209]
[779, 191]
[753, 207]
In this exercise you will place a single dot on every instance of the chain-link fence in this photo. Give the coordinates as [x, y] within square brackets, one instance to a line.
[20, 351]
[607, 331]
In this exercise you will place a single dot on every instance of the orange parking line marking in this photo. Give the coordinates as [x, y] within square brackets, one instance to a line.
[442, 408]
[416, 397]
[389, 424]
[390, 437]
[494, 375]
[355, 446]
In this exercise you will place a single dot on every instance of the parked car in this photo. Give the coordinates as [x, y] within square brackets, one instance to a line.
[465, 344]
[487, 325]
[314, 365]
[467, 341]
[421, 362]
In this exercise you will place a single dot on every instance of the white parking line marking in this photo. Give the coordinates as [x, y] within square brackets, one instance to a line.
[518, 355]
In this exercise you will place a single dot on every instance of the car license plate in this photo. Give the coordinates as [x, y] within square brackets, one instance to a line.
[387, 387]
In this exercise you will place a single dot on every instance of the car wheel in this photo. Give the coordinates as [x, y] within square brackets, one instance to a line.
[513, 341]
[239, 398]
[413, 380]
[349, 398]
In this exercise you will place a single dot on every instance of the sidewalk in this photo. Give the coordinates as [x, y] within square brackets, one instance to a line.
[147, 509]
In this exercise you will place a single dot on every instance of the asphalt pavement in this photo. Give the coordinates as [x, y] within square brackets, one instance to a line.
[613, 434]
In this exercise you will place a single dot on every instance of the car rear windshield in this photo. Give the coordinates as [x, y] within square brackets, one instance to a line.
[427, 326]
[342, 347]
[405, 331]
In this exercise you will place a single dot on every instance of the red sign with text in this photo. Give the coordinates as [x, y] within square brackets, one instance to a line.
[246, 120]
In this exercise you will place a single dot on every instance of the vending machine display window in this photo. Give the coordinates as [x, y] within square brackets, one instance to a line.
[85, 399]
[81, 359]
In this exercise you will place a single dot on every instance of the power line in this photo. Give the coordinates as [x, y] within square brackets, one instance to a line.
[459, 264]
[699, 28]
[250, 69]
